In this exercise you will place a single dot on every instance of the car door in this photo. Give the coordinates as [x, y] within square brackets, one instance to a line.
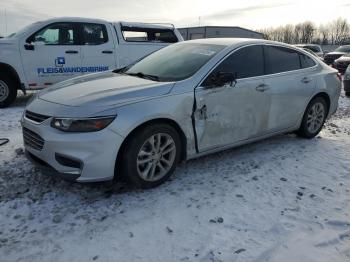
[290, 85]
[52, 54]
[98, 48]
[233, 112]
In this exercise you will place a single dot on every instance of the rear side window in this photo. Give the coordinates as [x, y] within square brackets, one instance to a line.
[244, 63]
[132, 34]
[56, 34]
[281, 59]
[94, 34]
[306, 61]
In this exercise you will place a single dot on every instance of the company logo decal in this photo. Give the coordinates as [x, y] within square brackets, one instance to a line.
[61, 69]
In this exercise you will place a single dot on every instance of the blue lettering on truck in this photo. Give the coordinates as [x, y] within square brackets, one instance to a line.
[60, 68]
[70, 70]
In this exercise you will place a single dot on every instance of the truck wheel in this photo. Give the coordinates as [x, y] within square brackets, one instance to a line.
[151, 156]
[8, 91]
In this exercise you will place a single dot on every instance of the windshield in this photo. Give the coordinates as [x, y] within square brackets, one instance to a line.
[175, 62]
[24, 29]
[345, 49]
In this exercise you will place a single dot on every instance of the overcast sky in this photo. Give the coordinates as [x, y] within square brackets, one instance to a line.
[253, 14]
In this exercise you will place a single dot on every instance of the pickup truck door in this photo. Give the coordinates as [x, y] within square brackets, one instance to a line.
[98, 47]
[51, 55]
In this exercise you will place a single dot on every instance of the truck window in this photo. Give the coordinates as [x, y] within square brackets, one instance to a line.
[132, 34]
[94, 34]
[56, 34]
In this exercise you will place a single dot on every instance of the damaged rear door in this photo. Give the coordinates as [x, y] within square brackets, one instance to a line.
[232, 112]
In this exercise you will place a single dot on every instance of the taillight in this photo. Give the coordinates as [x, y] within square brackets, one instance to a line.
[339, 77]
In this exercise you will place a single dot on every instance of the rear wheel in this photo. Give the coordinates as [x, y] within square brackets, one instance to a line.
[8, 91]
[314, 118]
[151, 155]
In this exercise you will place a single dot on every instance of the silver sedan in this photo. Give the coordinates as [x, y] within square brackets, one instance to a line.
[184, 101]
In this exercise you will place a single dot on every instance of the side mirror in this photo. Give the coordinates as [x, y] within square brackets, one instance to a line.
[29, 47]
[224, 78]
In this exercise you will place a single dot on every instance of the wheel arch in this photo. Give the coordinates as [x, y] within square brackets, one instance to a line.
[167, 121]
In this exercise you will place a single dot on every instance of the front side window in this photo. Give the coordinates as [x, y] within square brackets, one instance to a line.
[56, 34]
[243, 63]
[94, 34]
[281, 59]
[175, 62]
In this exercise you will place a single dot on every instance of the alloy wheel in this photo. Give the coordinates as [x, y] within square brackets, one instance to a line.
[315, 117]
[156, 157]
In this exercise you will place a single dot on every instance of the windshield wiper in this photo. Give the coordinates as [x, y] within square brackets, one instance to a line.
[145, 76]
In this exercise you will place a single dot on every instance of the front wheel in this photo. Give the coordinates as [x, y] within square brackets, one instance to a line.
[151, 155]
[8, 91]
[314, 118]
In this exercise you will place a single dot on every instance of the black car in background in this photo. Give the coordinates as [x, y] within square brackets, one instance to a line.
[342, 63]
[340, 51]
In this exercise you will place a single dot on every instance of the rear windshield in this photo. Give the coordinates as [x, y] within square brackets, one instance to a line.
[313, 48]
[175, 62]
[133, 34]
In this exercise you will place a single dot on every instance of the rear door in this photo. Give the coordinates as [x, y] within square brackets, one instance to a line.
[232, 113]
[98, 48]
[52, 54]
[290, 85]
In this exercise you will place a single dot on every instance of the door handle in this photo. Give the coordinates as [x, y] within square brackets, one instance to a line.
[71, 52]
[262, 88]
[107, 52]
[306, 80]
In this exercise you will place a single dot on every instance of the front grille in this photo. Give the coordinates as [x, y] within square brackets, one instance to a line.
[38, 118]
[32, 139]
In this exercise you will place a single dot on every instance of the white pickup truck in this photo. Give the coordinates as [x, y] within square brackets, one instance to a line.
[54, 50]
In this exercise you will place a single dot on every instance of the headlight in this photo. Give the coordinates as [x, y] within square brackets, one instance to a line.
[82, 124]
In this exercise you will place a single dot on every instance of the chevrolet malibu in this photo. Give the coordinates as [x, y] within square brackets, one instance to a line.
[184, 101]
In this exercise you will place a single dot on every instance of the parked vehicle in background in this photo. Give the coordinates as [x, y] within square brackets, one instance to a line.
[181, 102]
[340, 51]
[313, 53]
[54, 50]
[346, 81]
[317, 49]
[342, 63]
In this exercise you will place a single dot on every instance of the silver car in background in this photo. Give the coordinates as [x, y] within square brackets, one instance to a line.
[184, 101]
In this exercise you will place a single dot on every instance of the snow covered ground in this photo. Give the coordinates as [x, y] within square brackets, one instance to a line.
[282, 199]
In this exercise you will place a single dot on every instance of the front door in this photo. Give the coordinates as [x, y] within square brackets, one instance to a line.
[233, 112]
[52, 55]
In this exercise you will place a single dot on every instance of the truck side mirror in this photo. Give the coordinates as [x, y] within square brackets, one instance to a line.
[29, 47]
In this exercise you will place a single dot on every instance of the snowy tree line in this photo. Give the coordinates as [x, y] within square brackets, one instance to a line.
[336, 32]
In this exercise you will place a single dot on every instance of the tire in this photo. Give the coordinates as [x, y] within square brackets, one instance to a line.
[314, 117]
[145, 163]
[8, 91]
[347, 94]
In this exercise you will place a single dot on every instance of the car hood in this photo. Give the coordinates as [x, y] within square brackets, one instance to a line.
[6, 41]
[103, 90]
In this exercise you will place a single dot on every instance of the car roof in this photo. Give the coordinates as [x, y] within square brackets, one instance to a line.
[235, 41]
